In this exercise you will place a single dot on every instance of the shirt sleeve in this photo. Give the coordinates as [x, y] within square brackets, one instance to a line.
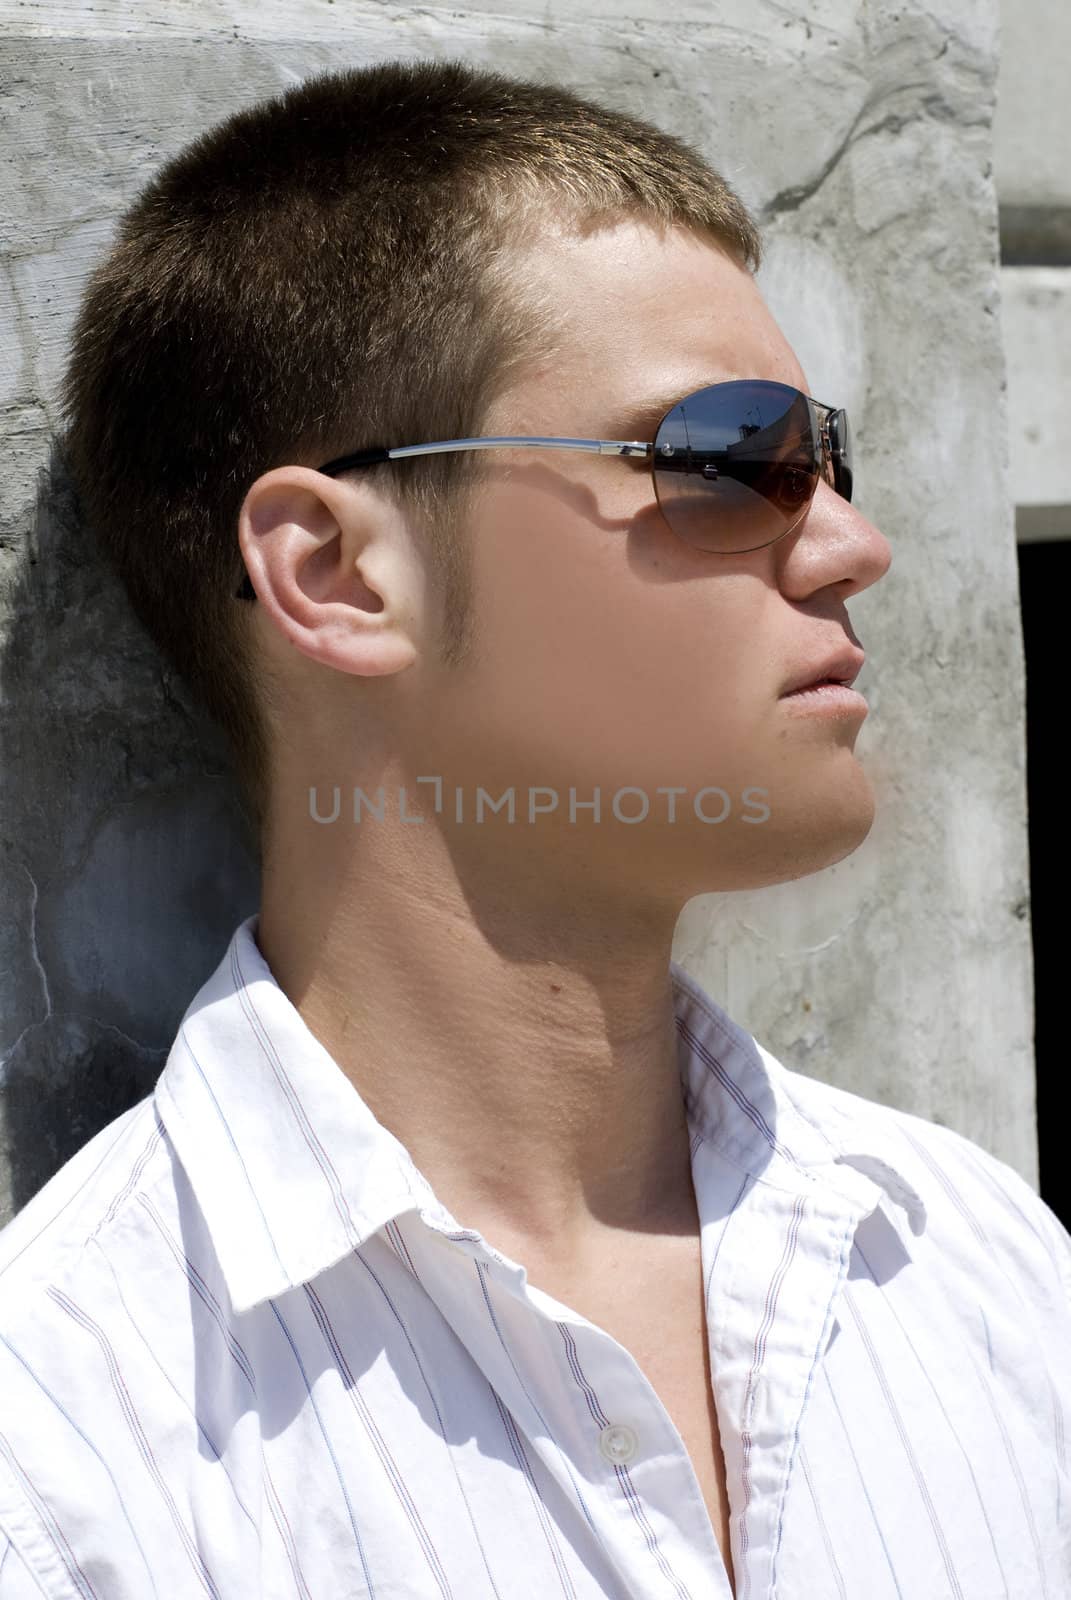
[1061, 1247]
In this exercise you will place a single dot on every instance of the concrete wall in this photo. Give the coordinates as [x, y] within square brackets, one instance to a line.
[1032, 137]
[861, 133]
[1032, 126]
[1036, 314]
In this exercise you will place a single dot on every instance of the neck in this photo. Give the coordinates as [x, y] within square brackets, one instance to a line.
[516, 1034]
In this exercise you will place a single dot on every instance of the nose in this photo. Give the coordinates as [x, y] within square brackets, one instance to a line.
[833, 545]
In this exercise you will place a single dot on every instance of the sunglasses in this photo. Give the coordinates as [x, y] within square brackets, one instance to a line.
[734, 466]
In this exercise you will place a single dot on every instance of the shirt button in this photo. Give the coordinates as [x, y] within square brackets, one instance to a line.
[618, 1443]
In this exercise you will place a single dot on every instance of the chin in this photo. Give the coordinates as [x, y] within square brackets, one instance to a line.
[822, 840]
[811, 837]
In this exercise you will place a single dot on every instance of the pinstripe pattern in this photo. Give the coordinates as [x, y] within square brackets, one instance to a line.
[246, 1351]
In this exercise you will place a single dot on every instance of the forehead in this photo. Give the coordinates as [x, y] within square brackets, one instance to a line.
[650, 313]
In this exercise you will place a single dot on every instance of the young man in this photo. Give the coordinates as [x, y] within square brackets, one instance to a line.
[466, 1247]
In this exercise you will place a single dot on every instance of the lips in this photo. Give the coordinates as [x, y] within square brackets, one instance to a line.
[843, 667]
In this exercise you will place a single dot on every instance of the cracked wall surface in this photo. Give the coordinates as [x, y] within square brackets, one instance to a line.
[861, 135]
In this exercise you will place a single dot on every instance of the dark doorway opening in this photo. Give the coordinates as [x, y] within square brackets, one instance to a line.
[1044, 576]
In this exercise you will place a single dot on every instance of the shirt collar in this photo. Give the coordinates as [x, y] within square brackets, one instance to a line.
[785, 1128]
[291, 1170]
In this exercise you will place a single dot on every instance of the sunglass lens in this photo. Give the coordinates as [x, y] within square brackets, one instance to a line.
[736, 465]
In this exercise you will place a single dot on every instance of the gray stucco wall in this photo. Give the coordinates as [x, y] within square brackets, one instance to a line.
[861, 134]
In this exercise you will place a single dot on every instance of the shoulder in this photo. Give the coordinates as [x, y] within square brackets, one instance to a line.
[86, 1303]
[49, 1235]
[977, 1206]
[977, 1219]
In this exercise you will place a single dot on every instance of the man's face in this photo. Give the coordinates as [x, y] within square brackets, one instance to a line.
[610, 654]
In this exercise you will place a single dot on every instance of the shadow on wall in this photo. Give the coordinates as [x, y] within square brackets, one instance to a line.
[125, 861]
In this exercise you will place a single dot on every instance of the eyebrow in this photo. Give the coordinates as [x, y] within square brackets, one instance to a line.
[647, 412]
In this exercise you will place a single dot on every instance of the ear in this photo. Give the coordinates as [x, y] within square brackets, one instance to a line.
[335, 569]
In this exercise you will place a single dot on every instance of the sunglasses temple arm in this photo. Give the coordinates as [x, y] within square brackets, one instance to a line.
[363, 458]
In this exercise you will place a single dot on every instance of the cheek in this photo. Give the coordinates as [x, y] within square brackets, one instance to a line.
[620, 640]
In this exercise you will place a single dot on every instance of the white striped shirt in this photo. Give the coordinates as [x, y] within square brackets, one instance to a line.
[245, 1351]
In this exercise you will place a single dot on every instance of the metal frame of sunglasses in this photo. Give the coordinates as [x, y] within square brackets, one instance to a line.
[776, 461]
